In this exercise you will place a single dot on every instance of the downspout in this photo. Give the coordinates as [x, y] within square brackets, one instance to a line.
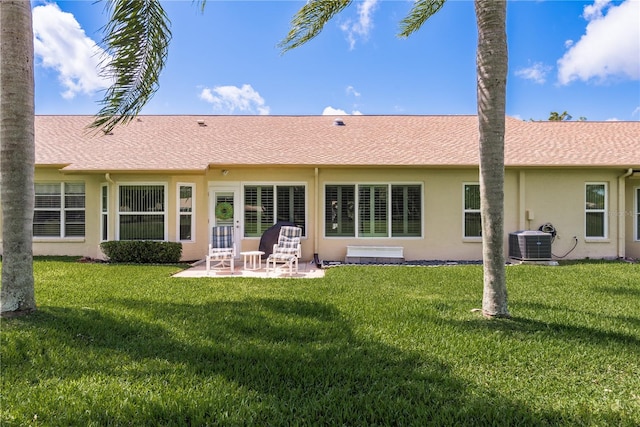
[621, 209]
[316, 233]
[107, 177]
[522, 217]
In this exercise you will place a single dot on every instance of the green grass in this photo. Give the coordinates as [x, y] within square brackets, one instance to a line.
[130, 345]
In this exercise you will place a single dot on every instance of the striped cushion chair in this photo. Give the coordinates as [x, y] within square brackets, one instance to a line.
[221, 249]
[287, 250]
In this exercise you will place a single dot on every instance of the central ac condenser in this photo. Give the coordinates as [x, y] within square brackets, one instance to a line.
[530, 245]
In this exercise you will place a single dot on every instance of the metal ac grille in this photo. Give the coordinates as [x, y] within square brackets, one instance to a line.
[530, 245]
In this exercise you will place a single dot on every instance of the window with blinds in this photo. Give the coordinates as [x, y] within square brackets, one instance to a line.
[339, 210]
[59, 210]
[264, 205]
[638, 214]
[383, 210]
[104, 212]
[141, 212]
[596, 210]
[406, 210]
[472, 219]
[372, 210]
[290, 205]
[186, 223]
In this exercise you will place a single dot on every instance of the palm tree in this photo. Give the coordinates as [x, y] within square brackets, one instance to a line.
[137, 37]
[17, 149]
[554, 116]
[491, 66]
[491, 91]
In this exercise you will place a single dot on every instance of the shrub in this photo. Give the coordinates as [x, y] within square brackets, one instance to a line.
[142, 251]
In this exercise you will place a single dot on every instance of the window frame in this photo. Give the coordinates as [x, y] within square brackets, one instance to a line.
[104, 212]
[62, 209]
[466, 211]
[636, 222]
[180, 214]
[275, 208]
[604, 211]
[357, 187]
[120, 213]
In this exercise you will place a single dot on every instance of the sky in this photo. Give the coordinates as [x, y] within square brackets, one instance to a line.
[582, 57]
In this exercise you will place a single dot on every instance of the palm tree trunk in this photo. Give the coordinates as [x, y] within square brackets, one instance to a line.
[492, 81]
[17, 150]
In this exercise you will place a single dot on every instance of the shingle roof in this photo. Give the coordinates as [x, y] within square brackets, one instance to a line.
[180, 143]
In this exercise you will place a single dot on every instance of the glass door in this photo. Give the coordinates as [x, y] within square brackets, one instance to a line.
[225, 210]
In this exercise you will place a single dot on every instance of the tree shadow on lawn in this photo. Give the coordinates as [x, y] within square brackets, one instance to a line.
[594, 335]
[624, 291]
[291, 362]
[598, 343]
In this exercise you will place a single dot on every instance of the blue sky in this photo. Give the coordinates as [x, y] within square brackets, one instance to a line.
[582, 57]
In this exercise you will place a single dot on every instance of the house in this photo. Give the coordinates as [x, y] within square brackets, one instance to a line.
[408, 182]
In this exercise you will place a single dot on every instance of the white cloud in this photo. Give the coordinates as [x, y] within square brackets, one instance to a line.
[330, 111]
[352, 91]
[62, 45]
[229, 99]
[609, 48]
[364, 24]
[537, 72]
[594, 11]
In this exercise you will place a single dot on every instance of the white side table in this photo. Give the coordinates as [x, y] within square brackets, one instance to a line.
[252, 259]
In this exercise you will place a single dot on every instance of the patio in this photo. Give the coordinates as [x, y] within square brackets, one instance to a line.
[306, 270]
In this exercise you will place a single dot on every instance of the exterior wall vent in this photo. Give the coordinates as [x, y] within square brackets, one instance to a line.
[338, 122]
[530, 245]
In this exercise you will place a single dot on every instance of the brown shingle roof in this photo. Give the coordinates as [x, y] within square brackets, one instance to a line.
[179, 143]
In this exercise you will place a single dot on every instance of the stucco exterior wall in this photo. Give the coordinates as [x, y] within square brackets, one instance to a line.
[533, 197]
[76, 246]
[442, 213]
[557, 196]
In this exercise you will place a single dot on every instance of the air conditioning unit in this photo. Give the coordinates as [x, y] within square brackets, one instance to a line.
[530, 245]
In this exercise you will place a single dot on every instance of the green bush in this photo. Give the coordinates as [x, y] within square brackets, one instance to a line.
[142, 251]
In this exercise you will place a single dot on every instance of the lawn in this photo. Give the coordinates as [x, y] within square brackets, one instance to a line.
[130, 345]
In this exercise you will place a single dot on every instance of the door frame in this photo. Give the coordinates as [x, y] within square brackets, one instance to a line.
[234, 189]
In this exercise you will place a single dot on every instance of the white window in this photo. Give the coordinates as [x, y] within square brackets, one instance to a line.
[186, 212]
[472, 221]
[596, 210]
[264, 205]
[379, 210]
[104, 212]
[59, 210]
[142, 212]
[637, 214]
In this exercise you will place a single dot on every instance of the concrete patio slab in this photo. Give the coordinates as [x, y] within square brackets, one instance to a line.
[306, 270]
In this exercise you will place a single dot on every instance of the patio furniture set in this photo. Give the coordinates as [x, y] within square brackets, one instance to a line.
[287, 250]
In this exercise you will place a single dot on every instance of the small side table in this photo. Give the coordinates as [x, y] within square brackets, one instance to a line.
[252, 259]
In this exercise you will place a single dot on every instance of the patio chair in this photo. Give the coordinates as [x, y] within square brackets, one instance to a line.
[287, 250]
[222, 248]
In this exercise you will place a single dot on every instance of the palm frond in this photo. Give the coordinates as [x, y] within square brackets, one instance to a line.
[420, 12]
[310, 20]
[137, 38]
[200, 3]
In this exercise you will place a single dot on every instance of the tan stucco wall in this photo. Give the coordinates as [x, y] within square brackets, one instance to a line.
[558, 197]
[87, 246]
[442, 195]
[532, 198]
[191, 250]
